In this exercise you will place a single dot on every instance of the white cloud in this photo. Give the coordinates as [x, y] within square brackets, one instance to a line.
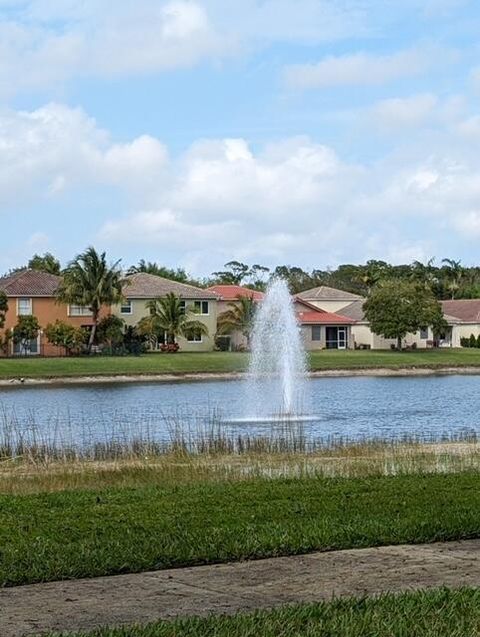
[362, 69]
[291, 201]
[400, 113]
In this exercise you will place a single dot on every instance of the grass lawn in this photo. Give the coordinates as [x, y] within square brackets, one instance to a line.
[85, 533]
[435, 613]
[182, 363]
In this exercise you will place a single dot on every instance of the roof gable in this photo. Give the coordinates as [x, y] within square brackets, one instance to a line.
[325, 293]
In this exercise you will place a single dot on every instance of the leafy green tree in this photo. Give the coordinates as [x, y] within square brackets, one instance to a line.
[45, 263]
[168, 316]
[25, 331]
[396, 308]
[150, 267]
[234, 274]
[64, 335]
[240, 316]
[110, 331]
[90, 282]
[3, 308]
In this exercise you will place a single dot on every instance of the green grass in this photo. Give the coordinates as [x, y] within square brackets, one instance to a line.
[88, 533]
[434, 613]
[184, 362]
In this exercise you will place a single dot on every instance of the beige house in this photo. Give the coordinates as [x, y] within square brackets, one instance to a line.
[323, 329]
[462, 317]
[142, 287]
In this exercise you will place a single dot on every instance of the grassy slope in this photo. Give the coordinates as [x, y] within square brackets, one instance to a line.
[88, 533]
[228, 362]
[436, 613]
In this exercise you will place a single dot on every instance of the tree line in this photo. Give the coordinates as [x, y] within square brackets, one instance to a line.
[448, 279]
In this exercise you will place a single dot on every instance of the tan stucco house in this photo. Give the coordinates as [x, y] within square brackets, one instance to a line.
[323, 329]
[462, 317]
[142, 287]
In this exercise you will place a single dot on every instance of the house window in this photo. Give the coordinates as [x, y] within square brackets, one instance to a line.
[424, 333]
[79, 310]
[201, 307]
[26, 348]
[182, 307]
[24, 307]
[126, 307]
[195, 337]
[316, 333]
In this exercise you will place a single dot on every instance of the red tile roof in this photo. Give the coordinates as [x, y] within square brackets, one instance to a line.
[320, 317]
[232, 292]
[30, 283]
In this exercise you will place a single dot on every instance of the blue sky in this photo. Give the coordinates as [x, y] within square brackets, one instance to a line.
[191, 132]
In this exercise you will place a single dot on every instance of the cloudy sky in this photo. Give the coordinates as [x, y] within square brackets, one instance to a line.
[191, 132]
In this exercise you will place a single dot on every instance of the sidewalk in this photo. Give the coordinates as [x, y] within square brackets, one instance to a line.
[228, 588]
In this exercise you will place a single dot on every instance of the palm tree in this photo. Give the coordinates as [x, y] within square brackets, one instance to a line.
[169, 316]
[239, 317]
[90, 282]
[455, 273]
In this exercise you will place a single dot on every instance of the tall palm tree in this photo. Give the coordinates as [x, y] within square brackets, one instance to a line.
[90, 282]
[455, 273]
[168, 316]
[239, 316]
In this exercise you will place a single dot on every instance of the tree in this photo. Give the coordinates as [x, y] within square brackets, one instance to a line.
[65, 335]
[25, 331]
[3, 308]
[110, 330]
[168, 316]
[240, 316]
[396, 308]
[90, 282]
[454, 274]
[46, 263]
[150, 267]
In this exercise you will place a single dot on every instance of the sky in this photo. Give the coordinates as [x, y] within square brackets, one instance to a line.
[194, 132]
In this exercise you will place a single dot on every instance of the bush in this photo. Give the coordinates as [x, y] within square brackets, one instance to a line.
[473, 340]
[464, 341]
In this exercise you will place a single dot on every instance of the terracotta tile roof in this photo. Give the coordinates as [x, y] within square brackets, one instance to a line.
[325, 293]
[323, 318]
[232, 292]
[150, 286]
[465, 310]
[30, 283]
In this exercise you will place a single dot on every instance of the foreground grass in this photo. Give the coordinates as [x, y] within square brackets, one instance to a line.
[435, 613]
[75, 534]
[219, 362]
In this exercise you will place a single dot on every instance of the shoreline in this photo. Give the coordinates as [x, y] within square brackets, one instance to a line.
[383, 372]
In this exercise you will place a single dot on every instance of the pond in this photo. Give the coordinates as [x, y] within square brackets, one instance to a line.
[350, 408]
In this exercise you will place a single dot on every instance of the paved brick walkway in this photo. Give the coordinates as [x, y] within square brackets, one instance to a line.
[228, 588]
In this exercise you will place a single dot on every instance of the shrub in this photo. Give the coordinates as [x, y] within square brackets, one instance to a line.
[464, 341]
[67, 336]
[473, 340]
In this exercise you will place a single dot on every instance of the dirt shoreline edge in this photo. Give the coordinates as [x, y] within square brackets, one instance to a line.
[226, 376]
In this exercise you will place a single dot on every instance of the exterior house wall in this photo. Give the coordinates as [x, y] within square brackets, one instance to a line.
[330, 306]
[46, 310]
[311, 345]
[237, 339]
[139, 311]
[363, 335]
[464, 330]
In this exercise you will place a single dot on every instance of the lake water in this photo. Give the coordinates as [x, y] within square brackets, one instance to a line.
[355, 408]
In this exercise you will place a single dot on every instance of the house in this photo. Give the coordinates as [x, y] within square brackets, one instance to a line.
[142, 287]
[463, 316]
[322, 329]
[228, 294]
[34, 293]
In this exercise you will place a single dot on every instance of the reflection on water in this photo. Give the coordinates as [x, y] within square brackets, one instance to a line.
[353, 408]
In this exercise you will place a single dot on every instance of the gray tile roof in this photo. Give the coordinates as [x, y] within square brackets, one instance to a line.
[30, 283]
[354, 310]
[325, 293]
[150, 286]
